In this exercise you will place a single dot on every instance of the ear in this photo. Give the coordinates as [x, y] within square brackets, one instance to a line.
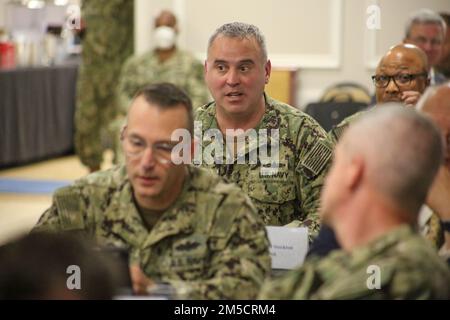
[205, 68]
[122, 131]
[268, 69]
[355, 173]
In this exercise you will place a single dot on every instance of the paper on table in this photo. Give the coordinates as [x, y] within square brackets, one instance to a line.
[288, 246]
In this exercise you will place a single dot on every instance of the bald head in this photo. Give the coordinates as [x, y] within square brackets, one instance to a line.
[436, 100]
[401, 152]
[405, 53]
[166, 18]
[436, 104]
[402, 59]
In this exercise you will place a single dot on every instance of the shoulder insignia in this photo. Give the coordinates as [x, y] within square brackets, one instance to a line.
[316, 159]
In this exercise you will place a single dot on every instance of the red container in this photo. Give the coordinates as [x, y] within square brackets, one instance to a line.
[7, 55]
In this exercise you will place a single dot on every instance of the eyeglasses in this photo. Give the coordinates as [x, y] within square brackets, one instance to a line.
[135, 147]
[400, 80]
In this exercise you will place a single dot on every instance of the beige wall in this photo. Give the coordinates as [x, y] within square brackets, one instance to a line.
[2, 12]
[327, 39]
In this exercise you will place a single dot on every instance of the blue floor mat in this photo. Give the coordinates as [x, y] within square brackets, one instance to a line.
[31, 186]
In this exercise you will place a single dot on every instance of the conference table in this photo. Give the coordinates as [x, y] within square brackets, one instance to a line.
[37, 106]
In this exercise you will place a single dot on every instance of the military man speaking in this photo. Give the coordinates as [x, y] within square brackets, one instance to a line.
[182, 225]
[236, 72]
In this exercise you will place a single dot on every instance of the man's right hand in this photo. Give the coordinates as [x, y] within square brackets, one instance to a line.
[141, 283]
[410, 98]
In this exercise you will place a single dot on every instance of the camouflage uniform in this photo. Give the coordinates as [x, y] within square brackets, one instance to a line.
[430, 227]
[106, 45]
[210, 241]
[182, 69]
[337, 131]
[293, 192]
[409, 269]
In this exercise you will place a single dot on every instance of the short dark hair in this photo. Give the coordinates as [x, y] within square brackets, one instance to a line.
[242, 31]
[35, 267]
[166, 96]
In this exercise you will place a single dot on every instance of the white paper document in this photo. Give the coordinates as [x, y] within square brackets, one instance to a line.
[288, 246]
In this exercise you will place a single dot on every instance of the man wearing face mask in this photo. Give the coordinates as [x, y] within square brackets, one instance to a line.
[165, 63]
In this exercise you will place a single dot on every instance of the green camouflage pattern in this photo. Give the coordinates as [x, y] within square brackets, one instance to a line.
[292, 194]
[409, 269]
[434, 232]
[182, 70]
[336, 132]
[209, 244]
[430, 227]
[107, 44]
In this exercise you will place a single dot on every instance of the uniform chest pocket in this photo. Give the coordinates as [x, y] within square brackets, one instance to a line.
[188, 256]
[272, 191]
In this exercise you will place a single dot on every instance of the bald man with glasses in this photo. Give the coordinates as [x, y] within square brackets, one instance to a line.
[182, 225]
[401, 76]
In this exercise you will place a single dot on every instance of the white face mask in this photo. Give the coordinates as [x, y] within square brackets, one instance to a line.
[164, 37]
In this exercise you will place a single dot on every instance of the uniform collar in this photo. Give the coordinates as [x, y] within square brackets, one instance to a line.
[270, 120]
[209, 121]
[381, 244]
[178, 218]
